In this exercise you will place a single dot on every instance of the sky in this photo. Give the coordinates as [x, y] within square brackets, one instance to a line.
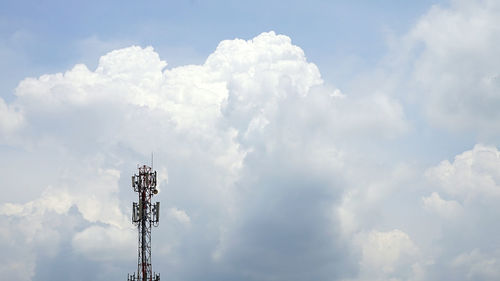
[327, 140]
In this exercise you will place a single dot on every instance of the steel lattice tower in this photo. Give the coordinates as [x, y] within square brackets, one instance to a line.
[144, 215]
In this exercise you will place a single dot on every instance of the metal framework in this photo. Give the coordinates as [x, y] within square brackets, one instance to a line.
[144, 215]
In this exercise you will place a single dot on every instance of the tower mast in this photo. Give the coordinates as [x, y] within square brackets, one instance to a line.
[144, 215]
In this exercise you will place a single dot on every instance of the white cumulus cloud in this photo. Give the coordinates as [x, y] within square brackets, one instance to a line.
[251, 139]
[473, 175]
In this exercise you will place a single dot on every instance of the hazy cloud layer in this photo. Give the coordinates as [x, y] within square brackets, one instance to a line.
[455, 74]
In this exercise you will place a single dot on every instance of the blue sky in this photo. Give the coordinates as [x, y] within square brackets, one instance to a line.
[47, 36]
[327, 140]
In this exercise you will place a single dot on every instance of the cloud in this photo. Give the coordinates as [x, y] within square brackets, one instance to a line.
[44, 225]
[451, 54]
[444, 208]
[272, 173]
[10, 119]
[266, 171]
[179, 215]
[258, 151]
[21, 262]
[388, 255]
[475, 265]
[94, 200]
[108, 244]
[464, 242]
[473, 175]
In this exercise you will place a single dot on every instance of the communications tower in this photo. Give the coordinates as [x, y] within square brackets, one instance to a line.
[145, 214]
